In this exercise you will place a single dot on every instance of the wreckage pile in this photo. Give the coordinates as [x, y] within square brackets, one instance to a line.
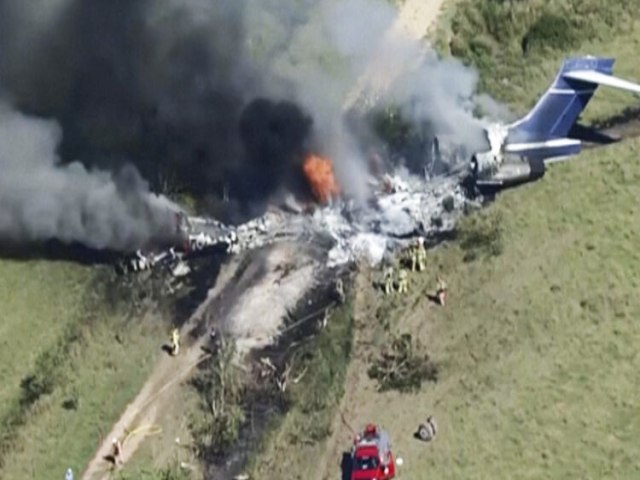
[402, 207]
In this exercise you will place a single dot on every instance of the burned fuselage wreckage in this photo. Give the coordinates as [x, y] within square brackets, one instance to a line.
[400, 205]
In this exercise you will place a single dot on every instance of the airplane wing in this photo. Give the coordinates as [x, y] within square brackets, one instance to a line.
[593, 76]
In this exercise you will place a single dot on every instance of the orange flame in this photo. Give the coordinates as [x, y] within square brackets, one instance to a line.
[319, 173]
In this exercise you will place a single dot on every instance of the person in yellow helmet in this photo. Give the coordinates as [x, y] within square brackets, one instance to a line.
[413, 255]
[402, 281]
[175, 342]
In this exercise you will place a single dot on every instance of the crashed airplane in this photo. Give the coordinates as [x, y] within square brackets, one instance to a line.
[402, 208]
[521, 151]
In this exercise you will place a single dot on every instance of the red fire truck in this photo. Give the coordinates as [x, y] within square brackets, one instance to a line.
[371, 455]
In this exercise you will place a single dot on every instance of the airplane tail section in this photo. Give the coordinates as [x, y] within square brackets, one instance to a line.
[548, 124]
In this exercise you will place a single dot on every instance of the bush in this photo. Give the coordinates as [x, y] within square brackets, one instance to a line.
[401, 367]
[391, 126]
[48, 370]
[552, 31]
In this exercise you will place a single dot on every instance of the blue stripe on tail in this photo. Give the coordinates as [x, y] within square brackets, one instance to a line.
[558, 109]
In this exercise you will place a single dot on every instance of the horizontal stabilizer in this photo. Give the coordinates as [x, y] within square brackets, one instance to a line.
[556, 143]
[599, 78]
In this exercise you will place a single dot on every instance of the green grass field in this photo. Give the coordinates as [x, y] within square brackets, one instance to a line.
[38, 300]
[539, 345]
[58, 328]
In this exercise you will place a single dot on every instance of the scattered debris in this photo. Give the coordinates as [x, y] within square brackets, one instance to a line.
[403, 208]
[281, 378]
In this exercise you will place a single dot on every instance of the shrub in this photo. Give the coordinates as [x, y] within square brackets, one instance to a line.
[552, 31]
[401, 367]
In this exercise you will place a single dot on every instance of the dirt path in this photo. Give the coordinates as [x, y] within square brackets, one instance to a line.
[167, 375]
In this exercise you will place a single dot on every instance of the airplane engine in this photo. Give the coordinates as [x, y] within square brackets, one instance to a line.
[490, 173]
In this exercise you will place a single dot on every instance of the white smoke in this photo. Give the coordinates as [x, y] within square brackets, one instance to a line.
[42, 199]
[346, 55]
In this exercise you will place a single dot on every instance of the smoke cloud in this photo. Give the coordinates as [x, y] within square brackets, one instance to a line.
[202, 96]
[43, 200]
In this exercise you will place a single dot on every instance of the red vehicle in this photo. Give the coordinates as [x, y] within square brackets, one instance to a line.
[371, 455]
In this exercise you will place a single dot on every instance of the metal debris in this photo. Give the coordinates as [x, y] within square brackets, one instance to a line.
[404, 207]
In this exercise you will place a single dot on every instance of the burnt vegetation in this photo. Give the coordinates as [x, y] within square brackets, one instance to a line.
[301, 375]
[481, 235]
[222, 390]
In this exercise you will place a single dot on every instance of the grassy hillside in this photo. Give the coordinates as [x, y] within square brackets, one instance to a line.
[518, 47]
[538, 346]
[71, 361]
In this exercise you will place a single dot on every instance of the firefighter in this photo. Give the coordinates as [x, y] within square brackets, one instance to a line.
[402, 281]
[388, 280]
[420, 254]
[441, 290]
[116, 451]
[413, 253]
[175, 342]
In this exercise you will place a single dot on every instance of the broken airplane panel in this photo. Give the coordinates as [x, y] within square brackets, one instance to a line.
[520, 151]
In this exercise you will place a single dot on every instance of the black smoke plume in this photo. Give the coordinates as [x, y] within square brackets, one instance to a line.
[201, 96]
